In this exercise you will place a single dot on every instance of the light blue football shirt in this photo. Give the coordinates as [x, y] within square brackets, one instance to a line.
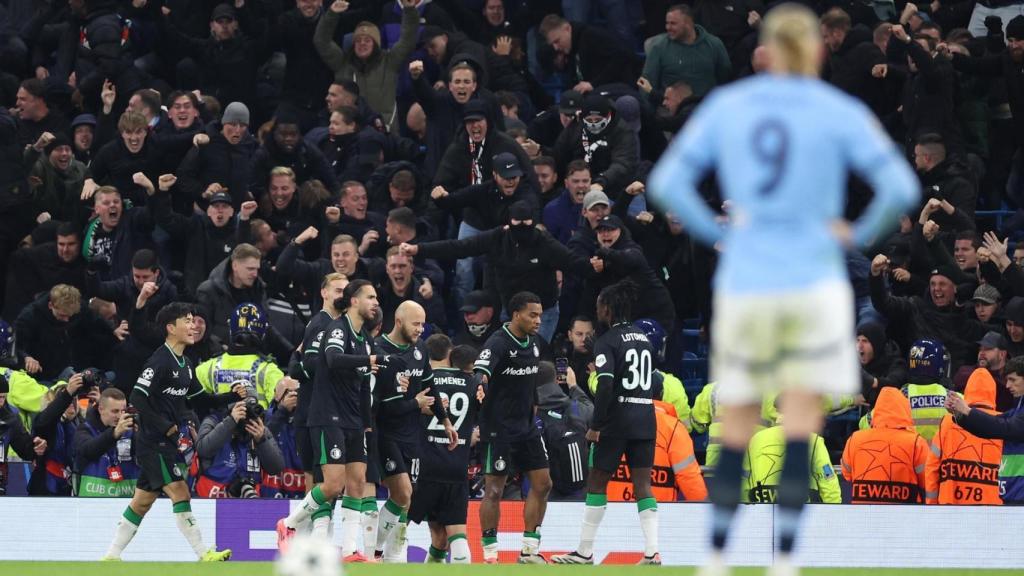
[782, 147]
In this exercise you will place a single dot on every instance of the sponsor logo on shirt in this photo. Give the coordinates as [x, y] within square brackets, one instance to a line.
[525, 371]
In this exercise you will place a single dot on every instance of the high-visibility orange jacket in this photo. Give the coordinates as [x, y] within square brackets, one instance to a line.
[962, 468]
[886, 463]
[675, 467]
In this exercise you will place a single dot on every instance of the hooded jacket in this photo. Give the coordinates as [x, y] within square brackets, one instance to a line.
[962, 468]
[484, 206]
[599, 57]
[377, 76]
[886, 464]
[58, 191]
[457, 163]
[887, 365]
[624, 260]
[308, 163]
[35, 269]
[611, 154]
[952, 181]
[928, 99]
[231, 165]
[114, 166]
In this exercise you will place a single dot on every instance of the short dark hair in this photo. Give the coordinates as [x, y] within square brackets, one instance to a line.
[971, 235]
[545, 372]
[578, 165]
[520, 300]
[545, 161]
[438, 346]
[681, 8]
[933, 143]
[179, 93]
[145, 259]
[580, 318]
[462, 357]
[150, 99]
[348, 86]
[171, 312]
[69, 229]
[403, 216]
[403, 180]
[111, 393]
[353, 288]
[929, 25]
[35, 87]
[836, 19]
[507, 99]
[550, 23]
[349, 114]
[1015, 365]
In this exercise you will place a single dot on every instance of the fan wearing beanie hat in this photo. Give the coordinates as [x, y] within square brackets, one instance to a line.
[373, 68]
[881, 364]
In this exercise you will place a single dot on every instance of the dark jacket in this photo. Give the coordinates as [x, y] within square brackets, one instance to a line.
[14, 189]
[36, 269]
[888, 365]
[58, 191]
[952, 181]
[457, 163]
[562, 216]
[218, 299]
[612, 154]
[123, 293]
[310, 274]
[205, 244]
[306, 161]
[218, 429]
[114, 166]
[849, 68]
[83, 341]
[928, 99]
[483, 206]
[922, 319]
[513, 266]
[1012, 73]
[132, 233]
[600, 58]
[625, 260]
[88, 447]
[218, 161]
[389, 301]
[306, 77]
[21, 440]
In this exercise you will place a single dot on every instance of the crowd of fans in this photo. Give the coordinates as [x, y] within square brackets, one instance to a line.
[454, 153]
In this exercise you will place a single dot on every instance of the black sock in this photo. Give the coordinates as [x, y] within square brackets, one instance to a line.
[725, 494]
[792, 491]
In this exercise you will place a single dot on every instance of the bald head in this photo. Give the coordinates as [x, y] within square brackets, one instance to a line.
[409, 320]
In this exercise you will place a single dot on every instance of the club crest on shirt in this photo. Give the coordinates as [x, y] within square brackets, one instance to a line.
[336, 453]
[499, 465]
[417, 354]
[601, 360]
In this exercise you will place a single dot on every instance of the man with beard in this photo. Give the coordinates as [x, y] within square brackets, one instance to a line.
[374, 69]
[562, 215]
[115, 232]
[222, 159]
[56, 178]
[483, 207]
[286, 148]
[519, 256]
[479, 319]
[992, 356]
[118, 162]
[547, 175]
[946, 180]
[83, 132]
[404, 392]
[607, 145]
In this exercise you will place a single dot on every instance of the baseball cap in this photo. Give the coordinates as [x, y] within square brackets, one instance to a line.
[596, 105]
[570, 103]
[595, 197]
[947, 271]
[222, 197]
[476, 300]
[610, 222]
[987, 294]
[430, 32]
[223, 11]
[83, 120]
[474, 110]
[507, 165]
[993, 340]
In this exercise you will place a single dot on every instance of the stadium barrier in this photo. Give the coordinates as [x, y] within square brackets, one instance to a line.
[78, 529]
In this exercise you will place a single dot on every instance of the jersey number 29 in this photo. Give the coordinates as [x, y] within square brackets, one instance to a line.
[639, 370]
[458, 406]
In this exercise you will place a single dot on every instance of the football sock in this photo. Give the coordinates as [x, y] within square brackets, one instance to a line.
[531, 542]
[489, 543]
[310, 504]
[189, 527]
[387, 523]
[436, 555]
[351, 512]
[368, 522]
[322, 520]
[460, 549]
[792, 491]
[648, 509]
[126, 529]
[593, 513]
[725, 494]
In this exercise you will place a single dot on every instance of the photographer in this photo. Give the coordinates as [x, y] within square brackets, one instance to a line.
[234, 450]
[103, 448]
[290, 483]
[56, 424]
[13, 434]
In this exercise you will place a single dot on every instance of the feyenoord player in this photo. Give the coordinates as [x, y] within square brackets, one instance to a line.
[624, 422]
[167, 381]
[508, 365]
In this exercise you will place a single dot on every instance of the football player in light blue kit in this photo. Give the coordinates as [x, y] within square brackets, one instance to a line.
[782, 145]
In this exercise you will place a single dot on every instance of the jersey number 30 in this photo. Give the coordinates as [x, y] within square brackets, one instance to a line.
[458, 406]
[639, 370]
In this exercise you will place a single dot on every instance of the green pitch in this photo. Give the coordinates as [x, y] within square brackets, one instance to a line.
[267, 569]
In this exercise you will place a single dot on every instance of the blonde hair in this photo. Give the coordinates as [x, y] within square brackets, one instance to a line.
[333, 276]
[793, 36]
[65, 298]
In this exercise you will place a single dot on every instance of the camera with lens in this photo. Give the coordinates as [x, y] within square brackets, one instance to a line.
[253, 411]
[92, 378]
[244, 488]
